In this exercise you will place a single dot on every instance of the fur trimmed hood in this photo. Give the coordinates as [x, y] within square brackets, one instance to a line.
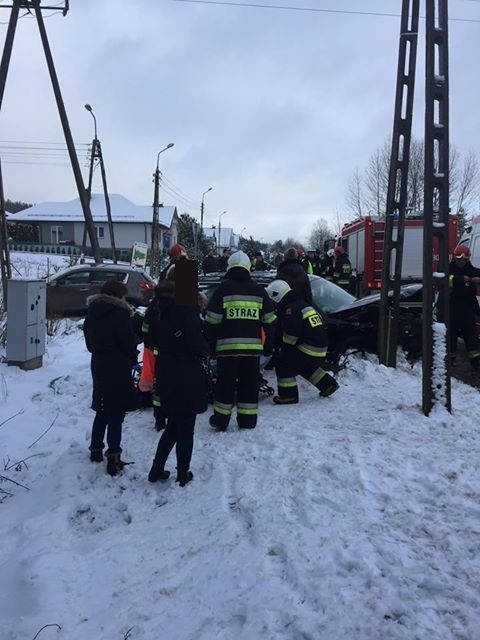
[104, 299]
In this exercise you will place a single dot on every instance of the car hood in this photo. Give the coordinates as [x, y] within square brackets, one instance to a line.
[408, 293]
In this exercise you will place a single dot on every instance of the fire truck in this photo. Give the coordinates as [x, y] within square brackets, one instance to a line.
[364, 238]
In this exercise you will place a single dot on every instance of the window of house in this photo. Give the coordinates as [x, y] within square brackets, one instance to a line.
[56, 233]
[100, 232]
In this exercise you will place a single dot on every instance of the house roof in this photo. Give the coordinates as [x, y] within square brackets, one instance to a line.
[123, 210]
[225, 232]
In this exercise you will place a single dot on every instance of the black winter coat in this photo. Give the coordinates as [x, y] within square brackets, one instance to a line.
[209, 264]
[110, 339]
[295, 275]
[463, 295]
[175, 333]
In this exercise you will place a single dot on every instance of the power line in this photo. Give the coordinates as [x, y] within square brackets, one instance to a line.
[254, 5]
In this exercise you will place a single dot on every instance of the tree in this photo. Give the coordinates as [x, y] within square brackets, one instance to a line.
[355, 199]
[187, 225]
[376, 180]
[464, 189]
[14, 206]
[321, 231]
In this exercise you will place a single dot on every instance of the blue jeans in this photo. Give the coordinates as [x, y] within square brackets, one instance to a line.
[112, 424]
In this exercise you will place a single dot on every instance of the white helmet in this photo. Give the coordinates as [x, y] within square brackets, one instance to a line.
[277, 290]
[239, 259]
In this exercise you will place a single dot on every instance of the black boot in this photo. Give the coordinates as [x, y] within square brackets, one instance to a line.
[184, 477]
[329, 388]
[160, 423]
[215, 425]
[96, 455]
[157, 472]
[114, 464]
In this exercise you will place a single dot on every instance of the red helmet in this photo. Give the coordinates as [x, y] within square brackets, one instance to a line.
[177, 251]
[340, 250]
[462, 251]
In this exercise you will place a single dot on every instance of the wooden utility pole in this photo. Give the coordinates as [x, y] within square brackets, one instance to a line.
[15, 7]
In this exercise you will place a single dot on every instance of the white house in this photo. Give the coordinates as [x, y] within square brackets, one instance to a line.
[62, 223]
[228, 240]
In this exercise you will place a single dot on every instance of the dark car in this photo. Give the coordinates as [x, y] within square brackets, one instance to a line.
[68, 290]
[352, 323]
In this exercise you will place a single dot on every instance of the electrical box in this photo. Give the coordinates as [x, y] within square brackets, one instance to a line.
[26, 328]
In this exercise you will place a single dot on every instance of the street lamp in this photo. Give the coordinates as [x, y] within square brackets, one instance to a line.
[88, 107]
[154, 249]
[202, 208]
[219, 229]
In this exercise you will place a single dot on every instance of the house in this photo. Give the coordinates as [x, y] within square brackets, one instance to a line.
[228, 238]
[59, 226]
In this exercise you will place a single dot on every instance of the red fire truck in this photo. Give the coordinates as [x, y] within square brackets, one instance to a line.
[363, 239]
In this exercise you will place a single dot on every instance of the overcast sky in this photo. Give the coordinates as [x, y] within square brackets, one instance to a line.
[274, 109]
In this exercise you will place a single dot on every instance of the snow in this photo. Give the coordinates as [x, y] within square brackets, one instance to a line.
[353, 516]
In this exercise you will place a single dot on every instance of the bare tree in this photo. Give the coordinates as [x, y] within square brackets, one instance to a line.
[376, 180]
[354, 199]
[464, 191]
[321, 231]
[416, 170]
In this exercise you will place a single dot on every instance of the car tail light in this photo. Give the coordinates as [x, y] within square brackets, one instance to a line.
[147, 286]
[378, 285]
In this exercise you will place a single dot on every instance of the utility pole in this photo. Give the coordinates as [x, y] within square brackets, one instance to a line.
[4, 249]
[155, 248]
[435, 336]
[4, 66]
[397, 184]
[96, 153]
[202, 209]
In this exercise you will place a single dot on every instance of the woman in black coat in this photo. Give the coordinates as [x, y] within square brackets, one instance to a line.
[180, 378]
[110, 339]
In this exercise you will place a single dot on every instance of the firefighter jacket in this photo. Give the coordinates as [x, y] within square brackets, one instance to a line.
[235, 315]
[462, 292]
[342, 271]
[303, 327]
[307, 265]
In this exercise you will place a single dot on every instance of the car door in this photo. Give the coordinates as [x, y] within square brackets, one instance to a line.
[68, 294]
[98, 277]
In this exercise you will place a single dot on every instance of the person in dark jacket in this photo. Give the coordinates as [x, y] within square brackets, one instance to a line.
[304, 345]
[291, 271]
[209, 264]
[223, 261]
[464, 278]
[175, 253]
[180, 378]
[259, 263]
[235, 316]
[342, 269]
[110, 338]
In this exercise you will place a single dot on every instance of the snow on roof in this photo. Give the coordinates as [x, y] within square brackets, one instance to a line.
[225, 232]
[123, 210]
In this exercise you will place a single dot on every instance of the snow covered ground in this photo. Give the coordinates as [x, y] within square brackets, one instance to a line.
[351, 517]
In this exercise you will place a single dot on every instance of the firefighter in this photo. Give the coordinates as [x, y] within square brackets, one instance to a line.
[305, 261]
[326, 265]
[463, 304]
[237, 311]
[342, 270]
[304, 345]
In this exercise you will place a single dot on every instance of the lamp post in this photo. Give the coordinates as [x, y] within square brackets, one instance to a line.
[97, 153]
[202, 207]
[154, 249]
[220, 229]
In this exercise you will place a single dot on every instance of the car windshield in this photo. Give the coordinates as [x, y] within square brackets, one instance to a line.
[329, 297]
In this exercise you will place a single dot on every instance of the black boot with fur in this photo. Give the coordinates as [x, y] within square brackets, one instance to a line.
[114, 464]
[96, 455]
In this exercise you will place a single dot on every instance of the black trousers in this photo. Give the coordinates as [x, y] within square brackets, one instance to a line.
[463, 320]
[237, 376]
[293, 362]
[112, 424]
[179, 432]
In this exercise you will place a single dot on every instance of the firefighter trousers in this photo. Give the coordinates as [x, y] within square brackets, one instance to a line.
[237, 377]
[293, 362]
[462, 321]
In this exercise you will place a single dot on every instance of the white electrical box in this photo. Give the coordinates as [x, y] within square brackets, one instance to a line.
[26, 311]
